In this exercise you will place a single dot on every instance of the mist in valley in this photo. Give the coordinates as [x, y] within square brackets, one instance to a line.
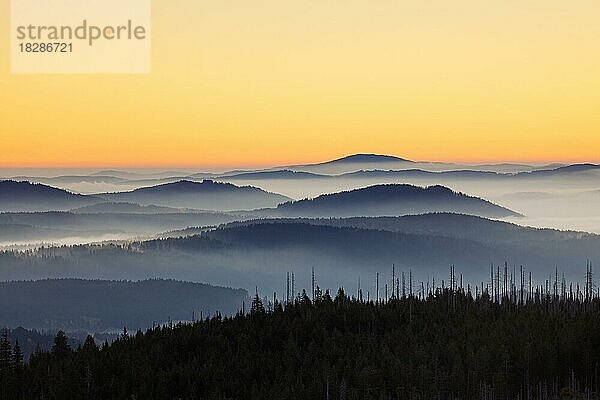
[352, 221]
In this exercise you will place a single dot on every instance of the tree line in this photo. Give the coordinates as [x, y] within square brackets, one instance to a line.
[450, 342]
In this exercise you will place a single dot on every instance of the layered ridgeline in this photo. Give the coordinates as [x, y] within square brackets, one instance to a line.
[450, 225]
[207, 195]
[347, 173]
[342, 251]
[52, 226]
[34, 213]
[356, 162]
[99, 305]
[380, 200]
[105, 220]
[564, 183]
[370, 168]
[128, 208]
[578, 171]
[25, 196]
[12, 234]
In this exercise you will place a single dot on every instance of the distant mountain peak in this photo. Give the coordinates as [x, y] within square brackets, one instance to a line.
[367, 158]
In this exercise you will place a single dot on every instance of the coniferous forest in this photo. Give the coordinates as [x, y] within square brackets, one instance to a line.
[269, 200]
[502, 341]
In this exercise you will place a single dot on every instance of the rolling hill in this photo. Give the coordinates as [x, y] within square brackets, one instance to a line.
[54, 224]
[97, 305]
[380, 200]
[207, 195]
[341, 250]
[457, 226]
[25, 196]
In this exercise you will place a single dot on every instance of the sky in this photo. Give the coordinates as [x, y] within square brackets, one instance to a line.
[274, 82]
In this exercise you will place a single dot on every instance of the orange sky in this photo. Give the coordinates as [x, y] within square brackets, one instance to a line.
[241, 83]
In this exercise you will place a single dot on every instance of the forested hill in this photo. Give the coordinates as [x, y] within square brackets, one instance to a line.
[261, 253]
[449, 346]
[26, 196]
[205, 195]
[459, 226]
[96, 305]
[393, 200]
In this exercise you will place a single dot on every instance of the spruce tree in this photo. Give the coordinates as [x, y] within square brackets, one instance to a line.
[257, 306]
[17, 366]
[61, 347]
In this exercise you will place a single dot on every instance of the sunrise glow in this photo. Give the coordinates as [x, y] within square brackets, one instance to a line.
[244, 83]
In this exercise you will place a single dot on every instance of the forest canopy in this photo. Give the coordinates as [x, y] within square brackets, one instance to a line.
[448, 345]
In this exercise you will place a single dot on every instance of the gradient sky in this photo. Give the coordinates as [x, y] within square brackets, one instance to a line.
[249, 83]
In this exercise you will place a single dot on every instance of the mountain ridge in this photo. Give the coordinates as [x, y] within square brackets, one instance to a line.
[393, 199]
[366, 157]
[26, 196]
[205, 195]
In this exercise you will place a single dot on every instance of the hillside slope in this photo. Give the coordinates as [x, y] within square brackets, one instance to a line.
[207, 195]
[25, 196]
[380, 200]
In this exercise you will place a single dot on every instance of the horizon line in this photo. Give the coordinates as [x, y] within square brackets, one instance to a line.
[162, 166]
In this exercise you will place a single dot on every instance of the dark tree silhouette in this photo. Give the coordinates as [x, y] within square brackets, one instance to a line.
[445, 344]
[61, 347]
